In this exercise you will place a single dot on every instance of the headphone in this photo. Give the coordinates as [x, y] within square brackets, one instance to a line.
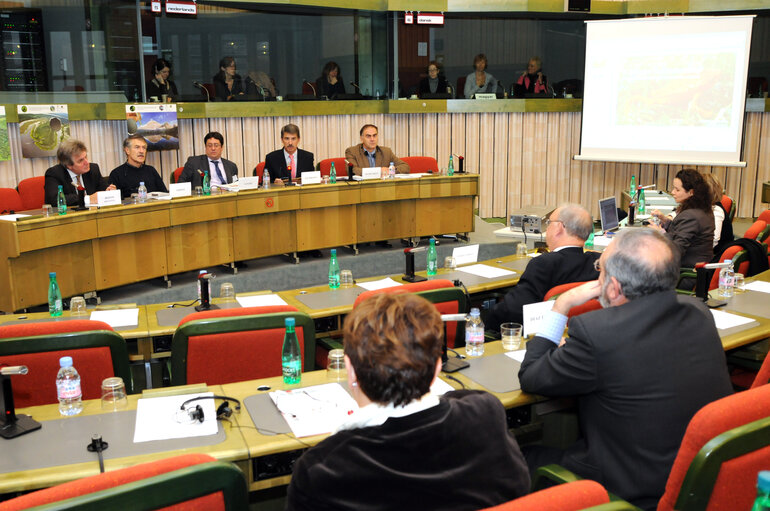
[223, 411]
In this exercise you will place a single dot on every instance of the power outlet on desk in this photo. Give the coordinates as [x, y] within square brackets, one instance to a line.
[275, 465]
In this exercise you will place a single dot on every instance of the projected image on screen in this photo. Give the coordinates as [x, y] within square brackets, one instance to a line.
[665, 90]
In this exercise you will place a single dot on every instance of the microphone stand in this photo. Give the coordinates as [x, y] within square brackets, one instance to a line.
[12, 425]
[204, 89]
[354, 84]
[311, 86]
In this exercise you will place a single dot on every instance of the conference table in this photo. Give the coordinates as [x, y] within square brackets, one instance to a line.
[112, 246]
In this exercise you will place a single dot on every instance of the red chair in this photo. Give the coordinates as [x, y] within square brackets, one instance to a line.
[571, 496]
[421, 164]
[755, 230]
[740, 263]
[32, 192]
[729, 204]
[590, 305]
[765, 216]
[229, 345]
[212, 91]
[307, 89]
[10, 200]
[258, 170]
[325, 166]
[96, 350]
[189, 482]
[460, 91]
[447, 298]
[175, 175]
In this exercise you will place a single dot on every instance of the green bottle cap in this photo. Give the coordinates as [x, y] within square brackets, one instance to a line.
[289, 322]
[52, 274]
[334, 252]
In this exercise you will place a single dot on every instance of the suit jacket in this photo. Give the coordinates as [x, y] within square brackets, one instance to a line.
[543, 272]
[275, 163]
[639, 371]
[93, 182]
[692, 231]
[382, 158]
[198, 163]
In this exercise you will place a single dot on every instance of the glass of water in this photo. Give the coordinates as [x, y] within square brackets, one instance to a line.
[511, 336]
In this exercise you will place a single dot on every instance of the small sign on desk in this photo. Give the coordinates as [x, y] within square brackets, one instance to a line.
[108, 198]
[180, 189]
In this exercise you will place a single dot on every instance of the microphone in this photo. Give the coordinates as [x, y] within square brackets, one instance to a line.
[415, 250]
[354, 84]
[311, 86]
[204, 89]
[9, 370]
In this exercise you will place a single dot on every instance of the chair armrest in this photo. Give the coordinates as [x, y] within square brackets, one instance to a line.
[617, 505]
[555, 473]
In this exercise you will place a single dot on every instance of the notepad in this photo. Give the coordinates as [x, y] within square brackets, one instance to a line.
[488, 272]
[260, 300]
[725, 320]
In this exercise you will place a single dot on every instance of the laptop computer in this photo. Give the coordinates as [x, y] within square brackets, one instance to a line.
[608, 212]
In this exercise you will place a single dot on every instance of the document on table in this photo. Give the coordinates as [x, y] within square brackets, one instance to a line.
[378, 284]
[162, 418]
[602, 240]
[118, 317]
[517, 355]
[725, 320]
[533, 315]
[483, 270]
[314, 410]
[758, 285]
[440, 387]
[466, 254]
[260, 300]
[12, 218]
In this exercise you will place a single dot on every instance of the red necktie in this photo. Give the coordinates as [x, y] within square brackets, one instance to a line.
[293, 167]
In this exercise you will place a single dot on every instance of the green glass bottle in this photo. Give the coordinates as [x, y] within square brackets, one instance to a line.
[333, 174]
[61, 201]
[206, 183]
[334, 271]
[54, 296]
[762, 502]
[291, 357]
[632, 186]
[432, 258]
[450, 170]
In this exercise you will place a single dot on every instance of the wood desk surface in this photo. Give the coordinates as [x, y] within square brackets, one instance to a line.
[141, 330]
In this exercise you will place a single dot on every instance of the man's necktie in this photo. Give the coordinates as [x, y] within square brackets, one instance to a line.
[219, 172]
[80, 182]
[293, 167]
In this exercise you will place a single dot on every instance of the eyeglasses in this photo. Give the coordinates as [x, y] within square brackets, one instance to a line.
[549, 222]
[597, 266]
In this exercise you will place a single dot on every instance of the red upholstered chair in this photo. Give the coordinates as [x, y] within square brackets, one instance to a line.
[447, 298]
[460, 91]
[175, 175]
[307, 89]
[421, 164]
[32, 192]
[740, 263]
[590, 305]
[229, 345]
[97, 353]
[258, 170]
[212, 91]
[765, 216]
[325, 166]
[190, 482]
[729, 204]
[10, 200]
[571, 496]
[756, 228]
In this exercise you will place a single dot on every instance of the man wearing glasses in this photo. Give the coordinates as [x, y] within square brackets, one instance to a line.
[221, 170]
[567, 229]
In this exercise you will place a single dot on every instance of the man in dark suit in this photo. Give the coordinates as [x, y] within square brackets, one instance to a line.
[221, 170]
[640, 368]
[73, 172]
[568, 228]
[291, 161]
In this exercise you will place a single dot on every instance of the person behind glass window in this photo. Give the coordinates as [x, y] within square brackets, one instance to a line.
[227, 83]
[532, 81]
[479, 81]
[435, 82]
[160, 85]
[260, 85]
[330, 83]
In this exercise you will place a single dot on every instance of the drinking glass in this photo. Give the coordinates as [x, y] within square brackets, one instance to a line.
[740, 283]
[521, 249]
[346, 278]
[114, 394]
[450, 263]
[227, 292]
[78, 306]
[511, 336]
[335, 365]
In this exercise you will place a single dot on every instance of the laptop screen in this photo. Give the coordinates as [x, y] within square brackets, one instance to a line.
[608, 210]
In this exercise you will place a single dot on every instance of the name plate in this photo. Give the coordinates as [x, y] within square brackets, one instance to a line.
[180, 189]
[486, 95]
[248, 183]
[371, 173]
[534, 313]
[311, 178]
[109, 198]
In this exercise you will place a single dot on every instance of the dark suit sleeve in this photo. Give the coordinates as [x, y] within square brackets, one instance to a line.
[54, 177]
[530, 289]
[190, 172]
[276, 165]
[94, 181]
[682, 231]
[305, 162]
[231, 169]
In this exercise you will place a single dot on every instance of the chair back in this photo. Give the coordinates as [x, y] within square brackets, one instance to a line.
[763, 375]
[738, 256]
[175, 175]
[325, 166]
[590, 305]
[728, 203]
[460, 91]
[572, 496]
[765, 216]
[189, 482]
[447, 298]
[726, 443]
[258, 170]
[97, 353]
[32, 192]
[212, 91]
[762, 237]
[307, 89]
[228, 345]
[421, 164]
[755, 230]
[10, 200]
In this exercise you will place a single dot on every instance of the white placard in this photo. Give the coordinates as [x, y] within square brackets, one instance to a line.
[758, 285]
[260, 300]
[466, 254]
[248, 183]
[311, 178]
[12, 218]
[181, 7]
[161, 418]
[488, 272]
[485, 95]
[534, 314]
[117, 318]
[180, 189]
[378, 284]
[371, 173]
[108, 198]
[725, 320]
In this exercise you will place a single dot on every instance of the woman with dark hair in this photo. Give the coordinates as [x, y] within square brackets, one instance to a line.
[435, 82]
[227, 83]
[479, 81]
[160, 85]
[405, 448]
[692, 229]
[330, 83]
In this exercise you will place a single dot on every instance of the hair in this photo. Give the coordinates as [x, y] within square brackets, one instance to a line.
[214, 134]
[368, 126]
[329, 67]
[68, 149]
[537, 60]
[394, 342]
[716, 187]
[223, 63]
[291, 129]
[159, 65]
[643, 261]
[433, 63]
[135, 136]
[479, 58]
[577, 220]
[701, 193]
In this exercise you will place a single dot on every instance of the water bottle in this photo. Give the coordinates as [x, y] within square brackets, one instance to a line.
[333, 174]
[334, 271]
[432, 258]
[391, 171]
[54, 296]
[474, 334]
[61, 201]
[142, 192]
[632, 186]
[642, 202]
[377, 92]
[762, 503]
[266, 179]
[450, 170]
[206, 183]
[291, 357]
[68, 388]
[590, 240]
[727, 280]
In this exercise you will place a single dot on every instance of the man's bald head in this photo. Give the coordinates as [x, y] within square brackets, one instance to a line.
[572, 224]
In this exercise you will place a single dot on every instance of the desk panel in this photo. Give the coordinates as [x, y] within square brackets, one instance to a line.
[326, 227]
[386, 220]
[58, 231]
[201, 209]
[257, 202]
[130, 258]
[264, 235]
[138, 218]
[198, 245]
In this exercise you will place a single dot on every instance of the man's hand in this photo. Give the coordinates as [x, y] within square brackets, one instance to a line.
[539, 77]
[577, 296]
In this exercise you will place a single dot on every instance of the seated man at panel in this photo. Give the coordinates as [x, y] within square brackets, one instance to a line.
[640, 368]
[369, 154]
[567, 230]
[72, 172]
[406, 448]
[128, 176]
[291, 157]
[221, 170]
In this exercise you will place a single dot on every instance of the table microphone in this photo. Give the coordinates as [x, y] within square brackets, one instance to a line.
[354, 84]
[204, 89]
[311, 86]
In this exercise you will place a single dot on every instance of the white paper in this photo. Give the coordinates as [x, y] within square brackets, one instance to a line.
[248, 183]
[161, 418]
[118, 317]
[260, 300]
[314, 410]
[534, 314]
[159, 195]
[758, 285]
[371, 173]
[378, 284]
[517, 355]
[410, 176]
[602, 240]
[180, 189]
[440, 387]
[725, 320]
[108, 198]
[466, 254]
[483, 270]
[12, 218]
[422, 49]
[311, 178]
